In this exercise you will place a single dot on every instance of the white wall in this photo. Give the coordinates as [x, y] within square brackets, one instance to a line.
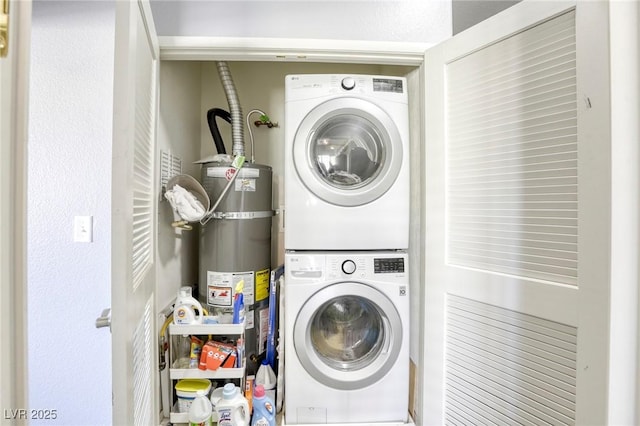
[179, 135]
[385, 20]
[69, 164]
[467, 13]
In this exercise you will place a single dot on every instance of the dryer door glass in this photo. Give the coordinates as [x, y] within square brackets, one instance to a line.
[347, 151]
[347, 333]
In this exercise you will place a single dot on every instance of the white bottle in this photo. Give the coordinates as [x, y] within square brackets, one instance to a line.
[266, 377]
[201, 410]
[187, 309]
[233, 408]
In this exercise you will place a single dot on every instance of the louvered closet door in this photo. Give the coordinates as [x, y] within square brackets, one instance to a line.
[516, 259]
[135, 387]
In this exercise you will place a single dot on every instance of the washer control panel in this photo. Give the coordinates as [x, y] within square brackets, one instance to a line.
[365, 266]
[306, 267]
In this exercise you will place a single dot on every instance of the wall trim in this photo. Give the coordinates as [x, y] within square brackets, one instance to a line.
[291, 50]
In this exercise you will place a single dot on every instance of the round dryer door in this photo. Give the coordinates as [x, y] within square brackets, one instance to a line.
[348, 335]
[347, 151]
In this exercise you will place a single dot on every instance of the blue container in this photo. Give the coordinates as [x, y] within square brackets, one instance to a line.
[264, 410]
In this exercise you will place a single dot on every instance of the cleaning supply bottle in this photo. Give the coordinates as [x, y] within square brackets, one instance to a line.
[264, 412]
[233, 408]
[266, 377]
[187, 309]
[238, 303]
[201, 410]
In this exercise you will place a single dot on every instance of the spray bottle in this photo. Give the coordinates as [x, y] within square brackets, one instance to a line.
[187, 309]
[238, 303]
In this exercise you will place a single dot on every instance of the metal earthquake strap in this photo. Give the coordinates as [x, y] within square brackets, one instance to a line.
[243, 215]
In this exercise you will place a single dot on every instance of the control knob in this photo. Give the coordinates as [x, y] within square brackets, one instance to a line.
[348, 83]
[348, 267]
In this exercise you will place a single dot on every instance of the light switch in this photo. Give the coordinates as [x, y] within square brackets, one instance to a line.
[83, 229]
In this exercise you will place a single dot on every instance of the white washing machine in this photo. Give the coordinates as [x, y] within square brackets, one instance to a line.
[346, 337]
[346, 162]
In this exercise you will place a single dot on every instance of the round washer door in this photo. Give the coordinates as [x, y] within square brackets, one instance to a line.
[348, 335]
[347, 151]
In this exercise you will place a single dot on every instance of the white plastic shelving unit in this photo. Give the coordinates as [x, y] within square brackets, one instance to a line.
[176, 374]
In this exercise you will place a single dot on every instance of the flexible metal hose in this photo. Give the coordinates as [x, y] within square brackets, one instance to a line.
[253, 149]
[237, 125]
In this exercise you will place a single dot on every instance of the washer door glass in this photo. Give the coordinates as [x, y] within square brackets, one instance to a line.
[348, 335]
[348, 151]
[347, 332]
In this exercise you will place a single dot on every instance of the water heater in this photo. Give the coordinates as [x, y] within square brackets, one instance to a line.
[235, 245]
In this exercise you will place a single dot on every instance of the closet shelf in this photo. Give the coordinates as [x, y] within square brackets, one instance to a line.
[196, 373]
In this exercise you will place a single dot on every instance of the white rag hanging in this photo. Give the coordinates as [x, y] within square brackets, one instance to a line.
[185, 203]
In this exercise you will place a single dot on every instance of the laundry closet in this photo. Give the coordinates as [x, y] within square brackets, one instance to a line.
[189, 88]
[506, 278]
[509, 283]
[524, 198]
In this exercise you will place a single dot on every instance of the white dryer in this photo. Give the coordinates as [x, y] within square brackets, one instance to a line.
[346, 162]
[346, 327]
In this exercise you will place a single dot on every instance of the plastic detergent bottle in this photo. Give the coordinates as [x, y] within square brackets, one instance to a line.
[187, 309]
[266, 377]
[264, 412]
[200, 410]
[233, 408]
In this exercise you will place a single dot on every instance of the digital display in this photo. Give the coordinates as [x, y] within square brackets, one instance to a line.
[387, 85]
[388, 265]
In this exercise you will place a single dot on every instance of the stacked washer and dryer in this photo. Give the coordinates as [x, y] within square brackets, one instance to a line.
[346, 292]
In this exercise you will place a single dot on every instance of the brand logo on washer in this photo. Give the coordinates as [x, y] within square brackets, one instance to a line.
[403, 290]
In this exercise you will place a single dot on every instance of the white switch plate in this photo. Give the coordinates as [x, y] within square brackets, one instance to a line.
[83, 229]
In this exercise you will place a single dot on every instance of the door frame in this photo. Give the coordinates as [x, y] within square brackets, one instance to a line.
[13, 209]
[335, 51]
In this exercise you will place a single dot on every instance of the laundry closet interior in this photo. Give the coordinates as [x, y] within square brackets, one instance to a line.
[190, 88]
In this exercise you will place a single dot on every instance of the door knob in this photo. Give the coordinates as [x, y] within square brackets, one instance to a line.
[104, 320]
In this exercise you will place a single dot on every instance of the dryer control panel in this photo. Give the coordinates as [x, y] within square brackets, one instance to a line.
[388, 265]
[314, 86]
